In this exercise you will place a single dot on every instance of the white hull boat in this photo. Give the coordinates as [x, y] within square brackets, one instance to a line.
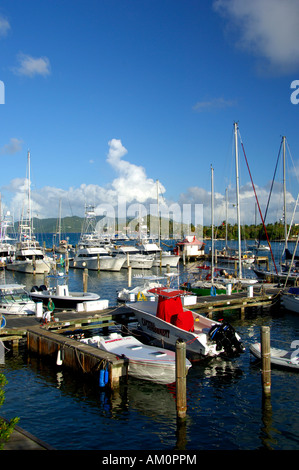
[15, 300]
[166, 321]
[60, 295]
[28, 263]
[29, 256]
[131, 256]
[145, 362]
[140, 292]
[290, 299]
[96, 259]
[278, 357]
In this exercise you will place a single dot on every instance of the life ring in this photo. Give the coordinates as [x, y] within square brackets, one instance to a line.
[51, 305]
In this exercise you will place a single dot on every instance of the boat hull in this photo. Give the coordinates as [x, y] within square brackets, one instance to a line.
[39, 267]
[108, 263]
[144, 362]
[166, 334]
[68, 301]
[290, 302]
[278, 357]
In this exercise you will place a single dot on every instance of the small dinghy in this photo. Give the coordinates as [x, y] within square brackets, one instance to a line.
[145, 362]
[279, 357]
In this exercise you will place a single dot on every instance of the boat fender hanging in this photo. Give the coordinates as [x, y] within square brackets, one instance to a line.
[59, 358]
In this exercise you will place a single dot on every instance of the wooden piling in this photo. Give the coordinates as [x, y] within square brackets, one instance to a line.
[266, 360]
[180, 362]
[85, 277]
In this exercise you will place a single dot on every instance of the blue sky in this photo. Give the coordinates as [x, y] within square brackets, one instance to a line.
[112, 95]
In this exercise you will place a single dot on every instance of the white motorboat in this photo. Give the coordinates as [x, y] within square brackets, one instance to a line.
[131, 256]
[91, 252]
[15, 300]
[59, 293]
[145, 362]
[278, 357]
[290, 299]
[161, 257]
[165, 320]
[141, 292]
[95, 258]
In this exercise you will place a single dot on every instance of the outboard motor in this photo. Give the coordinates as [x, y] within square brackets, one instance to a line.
[226, 338]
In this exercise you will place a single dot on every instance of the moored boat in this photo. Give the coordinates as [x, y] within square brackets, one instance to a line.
[59, 293]
[145, 362]
[290, 299]
[278, 357]
[165, 320]
[15, 300]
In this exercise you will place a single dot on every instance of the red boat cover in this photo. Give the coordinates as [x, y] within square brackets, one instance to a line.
[170, 309]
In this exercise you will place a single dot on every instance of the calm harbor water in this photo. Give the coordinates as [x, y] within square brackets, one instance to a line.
[226, 410]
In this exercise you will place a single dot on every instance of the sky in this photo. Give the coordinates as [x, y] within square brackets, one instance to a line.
[111, 96]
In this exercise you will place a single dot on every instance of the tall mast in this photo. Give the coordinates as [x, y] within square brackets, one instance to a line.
[284, 194]
[238, 199]
[212, 220]
[29, 197]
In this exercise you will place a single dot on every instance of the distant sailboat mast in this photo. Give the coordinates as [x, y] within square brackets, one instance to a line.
[238, 198]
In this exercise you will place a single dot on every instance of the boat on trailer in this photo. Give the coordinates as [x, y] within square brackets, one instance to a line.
[166, 320]
[144, 362]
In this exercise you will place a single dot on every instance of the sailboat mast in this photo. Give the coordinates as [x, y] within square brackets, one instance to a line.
[284, 194]
[238, 198]
[212, 220]
[29, 197]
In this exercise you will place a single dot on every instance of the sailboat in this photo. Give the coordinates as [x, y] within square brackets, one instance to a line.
[223, 283]
[285, 272]
[29, 255]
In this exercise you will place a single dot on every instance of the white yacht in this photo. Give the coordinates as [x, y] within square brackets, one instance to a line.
[29, 255]
[91, 252]
[15, 300]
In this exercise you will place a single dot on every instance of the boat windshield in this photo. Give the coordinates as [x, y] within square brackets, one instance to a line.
[18, 295]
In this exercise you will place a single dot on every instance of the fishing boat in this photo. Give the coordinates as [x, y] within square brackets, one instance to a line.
[161, 257]
[166, 320]
[29, 256]
[132, 257]
[58, 292]
[278, 357]
[91, 252]
[144, 362]
[15, 300]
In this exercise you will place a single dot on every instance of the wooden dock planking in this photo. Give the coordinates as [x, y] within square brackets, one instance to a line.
[76, 355]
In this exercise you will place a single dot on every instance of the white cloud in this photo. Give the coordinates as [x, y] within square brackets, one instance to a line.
[266, 28]
[4, 26]
[132, 183]
[215, 103]
[31, 66]
[14, 146]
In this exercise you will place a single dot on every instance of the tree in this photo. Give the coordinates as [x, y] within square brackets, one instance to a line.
[6, 427]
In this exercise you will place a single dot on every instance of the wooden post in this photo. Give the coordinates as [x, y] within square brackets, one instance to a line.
[266, 361]
[129, 276]
[66, 261]
[180, 369]
[98, 260]
[85, 277]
